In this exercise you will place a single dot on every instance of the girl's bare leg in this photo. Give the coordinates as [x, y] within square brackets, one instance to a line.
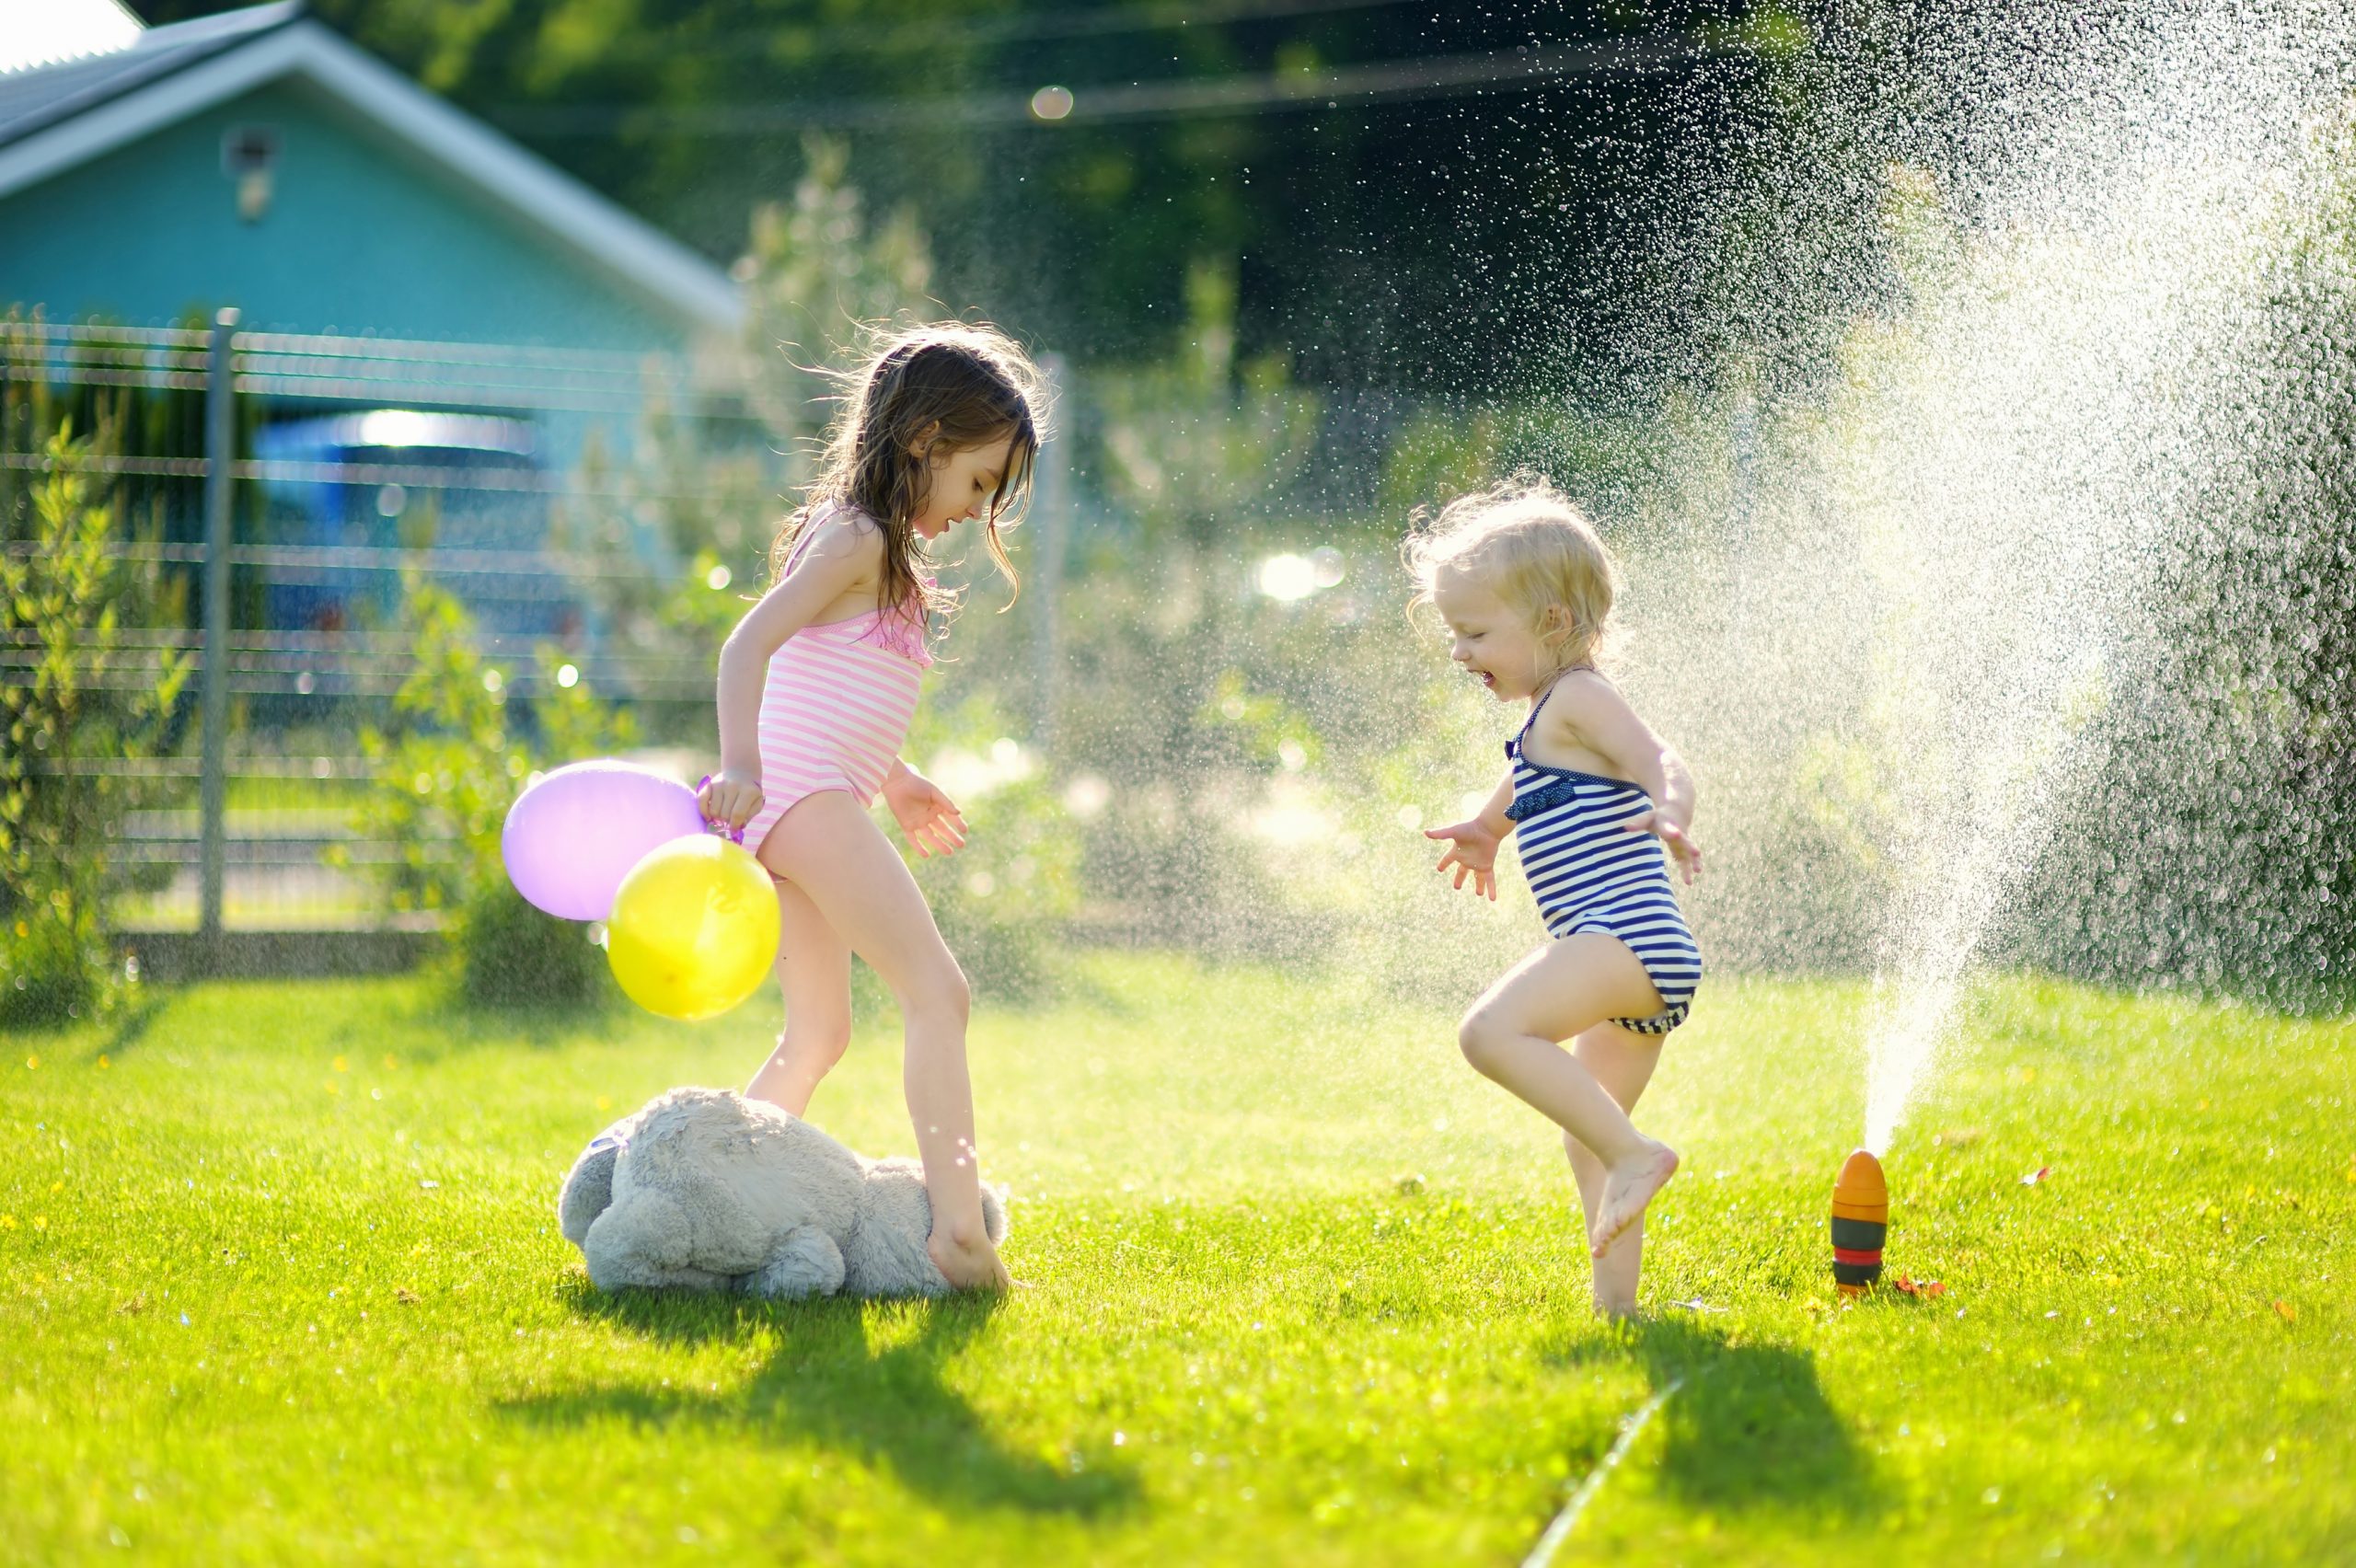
[1563, 989]
[1623, 1062]
[827, 846]
[813, 970]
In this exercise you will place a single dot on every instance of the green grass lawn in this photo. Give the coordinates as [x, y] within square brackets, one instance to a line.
[283, 1285]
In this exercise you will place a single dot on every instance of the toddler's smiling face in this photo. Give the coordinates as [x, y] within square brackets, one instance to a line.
[1487, 637]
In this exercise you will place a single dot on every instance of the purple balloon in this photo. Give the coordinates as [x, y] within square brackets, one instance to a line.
[572, 838]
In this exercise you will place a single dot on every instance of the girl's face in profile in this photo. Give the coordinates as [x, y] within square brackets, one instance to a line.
[962, 482]
[1488, 637]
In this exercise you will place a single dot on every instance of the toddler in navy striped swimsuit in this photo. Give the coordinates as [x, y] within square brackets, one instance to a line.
[1601, 805]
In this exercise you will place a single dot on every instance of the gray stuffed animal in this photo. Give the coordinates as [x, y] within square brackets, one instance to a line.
[703, 1189]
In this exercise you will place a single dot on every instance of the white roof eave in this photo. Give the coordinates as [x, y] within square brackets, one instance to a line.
[623, 245]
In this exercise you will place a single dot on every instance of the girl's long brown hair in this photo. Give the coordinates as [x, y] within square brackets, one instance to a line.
[946, 387]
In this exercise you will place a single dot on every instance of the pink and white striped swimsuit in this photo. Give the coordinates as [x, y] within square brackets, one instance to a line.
[834, 709]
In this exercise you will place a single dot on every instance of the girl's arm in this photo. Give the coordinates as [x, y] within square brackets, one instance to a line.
[1603, 721]
[928, 817]
[1473, 845]
[842, 555]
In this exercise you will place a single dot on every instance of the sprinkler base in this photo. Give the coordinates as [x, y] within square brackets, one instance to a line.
[1860, 1222]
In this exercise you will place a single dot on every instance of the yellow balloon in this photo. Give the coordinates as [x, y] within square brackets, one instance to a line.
[694, 928]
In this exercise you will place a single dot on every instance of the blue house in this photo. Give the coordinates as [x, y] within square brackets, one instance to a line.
[257, 159]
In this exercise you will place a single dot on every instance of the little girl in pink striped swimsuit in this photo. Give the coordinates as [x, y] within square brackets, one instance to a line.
[838, 702]
[817, 685]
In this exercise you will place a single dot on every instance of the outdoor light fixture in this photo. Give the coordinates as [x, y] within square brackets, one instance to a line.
[249, 157]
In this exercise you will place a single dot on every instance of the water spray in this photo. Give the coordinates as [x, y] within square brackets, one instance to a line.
[1860, 1220]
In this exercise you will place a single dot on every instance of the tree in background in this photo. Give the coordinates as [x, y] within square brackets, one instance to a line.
[1449, 232]
[1195, 446]
[817, 273]
[2223, 849]
[816, 276]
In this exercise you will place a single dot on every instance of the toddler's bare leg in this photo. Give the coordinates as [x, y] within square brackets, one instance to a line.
[813, 970]
[1561, 990]
[1623, 1063]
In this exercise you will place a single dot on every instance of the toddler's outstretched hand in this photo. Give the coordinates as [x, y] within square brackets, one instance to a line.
[1473, 851]
[1681, 848]
[929, 818]
[728, 797]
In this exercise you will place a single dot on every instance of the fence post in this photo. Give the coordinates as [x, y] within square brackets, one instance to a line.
[1051, 507]
[220, 449]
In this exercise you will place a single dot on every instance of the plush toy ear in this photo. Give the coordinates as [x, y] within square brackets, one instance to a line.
[588, 1190]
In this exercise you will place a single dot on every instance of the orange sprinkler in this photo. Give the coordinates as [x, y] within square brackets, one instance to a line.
[1860, 1220]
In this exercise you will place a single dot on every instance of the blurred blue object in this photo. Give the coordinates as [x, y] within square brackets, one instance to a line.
[468, 490]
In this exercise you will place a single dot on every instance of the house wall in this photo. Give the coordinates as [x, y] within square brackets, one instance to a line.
[360, 238]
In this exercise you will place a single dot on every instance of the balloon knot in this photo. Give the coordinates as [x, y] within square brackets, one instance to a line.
[734, 835]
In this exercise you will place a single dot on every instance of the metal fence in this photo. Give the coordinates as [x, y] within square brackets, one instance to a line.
[287, 485]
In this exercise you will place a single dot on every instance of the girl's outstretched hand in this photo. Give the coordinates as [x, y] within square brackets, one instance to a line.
[728, 797]
[929, 818]
[1681, 848]
[1473, 851]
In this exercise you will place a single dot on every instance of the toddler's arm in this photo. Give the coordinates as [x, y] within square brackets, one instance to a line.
[833, 565]
[1473, 844]
[1600, 719]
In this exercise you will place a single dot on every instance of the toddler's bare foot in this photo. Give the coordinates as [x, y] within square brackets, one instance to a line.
[1627, 1188]
[967, 1266]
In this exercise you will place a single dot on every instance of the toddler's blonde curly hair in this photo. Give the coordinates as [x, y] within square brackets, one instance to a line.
[1526, 542]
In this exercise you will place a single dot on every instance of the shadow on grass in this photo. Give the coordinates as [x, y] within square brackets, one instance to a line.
[460, 1025]
[1749, 1427]
[124, 1029]
[885, 1404]
[133, 1026]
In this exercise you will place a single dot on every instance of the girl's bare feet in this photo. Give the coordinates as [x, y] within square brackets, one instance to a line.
[1627, 1188]
[967, 1264]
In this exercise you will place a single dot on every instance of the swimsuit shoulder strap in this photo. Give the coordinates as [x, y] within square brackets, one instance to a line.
[813, 516]
[1543, 698]
[1523, 733]
[803, 535]
[1548, 695]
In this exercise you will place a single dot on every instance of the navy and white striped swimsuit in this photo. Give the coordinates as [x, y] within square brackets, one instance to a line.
[1590, 874]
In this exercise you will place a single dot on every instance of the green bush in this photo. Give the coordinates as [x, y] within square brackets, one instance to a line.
[65, 595]
[52, 966]
[511, 954]
[443, 773]
[1000, 901]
